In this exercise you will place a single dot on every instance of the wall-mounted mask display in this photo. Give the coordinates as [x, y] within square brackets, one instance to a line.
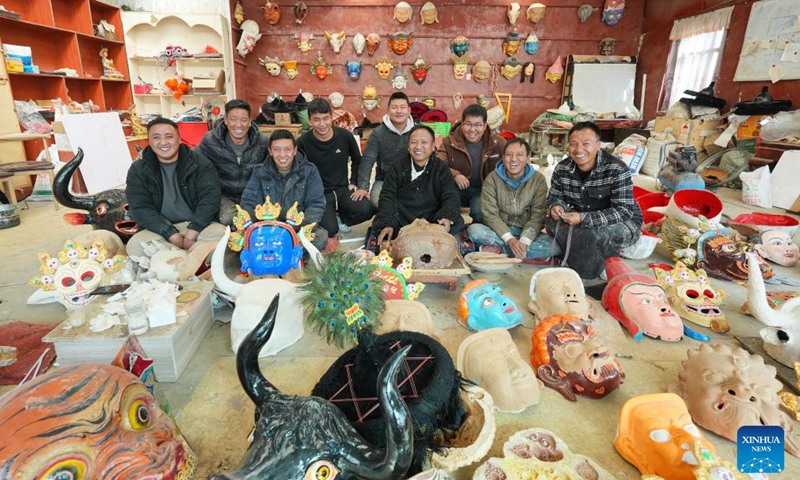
[359, 42]
[512, 12]
[384, 67]
[512, 43]
[725, 257]
[460, 66]
[777, 246]
[250, 35]
[373, 42]
[535, 13]
[400, 78]
[531, 44]
[607, 46]
[528, 71]
[459, 45]
[555, 291]
[584, 12]
[400, 42]
[691, 295]
[370, 100]
[481, 71]
[271, 65]
[555, 71]
[291, 68]
[336, 40]
[304, 40]
[336, 99]
[272, 12]
[482, 305]
[321, 68]
[612, 11]
[419, 71]
[429, 102]
[457, 99]
[511, 68]
[353, 69]
[402, 12]
[300, 12]
[428, 14]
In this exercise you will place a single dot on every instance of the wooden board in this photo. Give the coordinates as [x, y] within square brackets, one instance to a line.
[786, 375]
[442, 275]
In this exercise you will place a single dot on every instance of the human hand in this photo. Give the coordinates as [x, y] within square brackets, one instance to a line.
[461, 181]
[176, 239]
[359, 194]
[518, 248]
[189, 239]
[446, 222]
[352, 187]
[556, 212]
[572, 218]
[386, 233]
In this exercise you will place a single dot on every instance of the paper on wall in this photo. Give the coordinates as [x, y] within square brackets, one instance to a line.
[749, 47]
[768, 43]
[784, 180]
[775, 72]
[782, 44]
[791, 53]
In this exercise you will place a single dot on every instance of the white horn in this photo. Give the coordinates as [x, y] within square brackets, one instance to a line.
[225, 284]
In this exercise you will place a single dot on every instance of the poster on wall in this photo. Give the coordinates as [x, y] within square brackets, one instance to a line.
[771, 47]
[106, 156]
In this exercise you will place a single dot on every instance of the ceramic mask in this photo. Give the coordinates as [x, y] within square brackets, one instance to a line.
[584, 12]
[655, 433]
[555, 72]
[336, 40]
[511, 43]
[400, 79]
[459, 45]
[512, 12]
[556, 291]
[639, 303]
[400, 42]
[291, 68]
[725, 257]
[569, 358]
[419, 71]
[304, 41]
[481, 71]
[300, 12]
[511, 68]
[90, 421]
[359, 42]
[353, 69]
[270, 248]
[692, 296]
[406, 316]
[428, 14]
[531, 44]
[726, 388]
[777, 246]
[272, 12]
[272, 65]
[369, 98]
[373, 42]
[460, 66]
[535, 12]
[328, 446]
[336, 99]
[482, 305]
[607, 46]
[250, 35]
[402, 12]
[384, 67]
[612, 11]
[321, 68]
[491, 359]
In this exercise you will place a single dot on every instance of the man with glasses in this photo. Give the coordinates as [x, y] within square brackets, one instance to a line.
[472, 151]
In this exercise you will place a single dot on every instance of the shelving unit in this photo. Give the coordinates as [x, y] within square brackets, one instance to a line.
[149, 34]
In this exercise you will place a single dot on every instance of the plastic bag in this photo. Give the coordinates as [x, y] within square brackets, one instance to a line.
[30, 118]
[632, 151]
[756, 189]
[786, 124]
[42, 190]
[651, 164]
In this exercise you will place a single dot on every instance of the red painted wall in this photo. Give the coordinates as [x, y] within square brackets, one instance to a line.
[658, 19]
[484, 23]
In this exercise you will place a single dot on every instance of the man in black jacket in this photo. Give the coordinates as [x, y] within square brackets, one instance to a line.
[173, 192]
[235, 146]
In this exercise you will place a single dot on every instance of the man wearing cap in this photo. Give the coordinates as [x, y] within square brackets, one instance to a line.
[329, 148]
[235, 146]
[472, 151]
[591, 210]
[388, 145]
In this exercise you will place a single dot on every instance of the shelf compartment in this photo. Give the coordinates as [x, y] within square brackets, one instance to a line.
[36, 11]
[55, 50]
[37, 87]
[73, 15]
[117, 94]
[90, 55]
[81, 90]
[102, 11]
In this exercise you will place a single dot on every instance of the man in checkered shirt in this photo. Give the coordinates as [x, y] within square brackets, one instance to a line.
[591, 210]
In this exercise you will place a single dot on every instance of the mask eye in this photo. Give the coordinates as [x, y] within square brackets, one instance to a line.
[102, 209]
[488, 302]
[728, 248]
[139, 414]
[87, 276]
[691, 429]
[66, 468]
[660, 436]
[692, 293]
[67, 281]
[709, 293]
[321, 470]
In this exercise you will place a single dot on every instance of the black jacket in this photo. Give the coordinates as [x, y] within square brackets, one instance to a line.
[199, 186]
[233, 176]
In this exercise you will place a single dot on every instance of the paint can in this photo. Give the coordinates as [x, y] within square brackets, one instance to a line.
[8, 216]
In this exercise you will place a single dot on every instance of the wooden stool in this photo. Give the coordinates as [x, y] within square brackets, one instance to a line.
[27, 167]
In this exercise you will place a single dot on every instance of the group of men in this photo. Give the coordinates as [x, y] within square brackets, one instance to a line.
[184, 196]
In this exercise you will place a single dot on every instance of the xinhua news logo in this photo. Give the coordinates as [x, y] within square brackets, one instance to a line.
[760, 449]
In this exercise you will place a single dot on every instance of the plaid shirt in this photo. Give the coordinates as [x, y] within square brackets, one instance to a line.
[604, 198]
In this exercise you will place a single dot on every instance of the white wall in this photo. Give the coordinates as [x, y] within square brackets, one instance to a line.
[176, 6]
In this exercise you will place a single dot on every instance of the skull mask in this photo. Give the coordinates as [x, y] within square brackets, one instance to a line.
[460, 66]
[400, 42]
[336, 40]
[419, 71]
[272, 13]
[612, 11]
[607, 46]
[384, 67]
[693, 297]
[373, 42]
[512, 12]
[353, 69]
[359, 42]
[272, 65]
[725, 257]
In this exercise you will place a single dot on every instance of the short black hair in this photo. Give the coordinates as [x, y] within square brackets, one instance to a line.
[162, 121]
[238, 103]
[280, 135]
[398, 95]
[474, 110]
[518, 141]
[318, 105]
[420, 126]
[585, 126]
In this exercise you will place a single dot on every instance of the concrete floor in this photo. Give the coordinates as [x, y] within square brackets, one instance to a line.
[215, 415]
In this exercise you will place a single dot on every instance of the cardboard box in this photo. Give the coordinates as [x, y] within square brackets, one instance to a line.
[689, 132]
[750, 128]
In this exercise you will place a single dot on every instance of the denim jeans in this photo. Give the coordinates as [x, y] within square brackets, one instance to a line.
[471, 197]
[539, 248]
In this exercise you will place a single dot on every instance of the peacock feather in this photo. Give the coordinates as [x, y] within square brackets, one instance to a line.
[342, 297]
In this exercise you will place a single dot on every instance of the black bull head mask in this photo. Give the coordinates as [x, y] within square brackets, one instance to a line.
[107, 210]
[298, 438]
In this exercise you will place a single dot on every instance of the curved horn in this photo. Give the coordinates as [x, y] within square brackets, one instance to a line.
[228, 286]
[61, 186]
[313, 252]
[399, 429]
[757, 295]
[253, 381]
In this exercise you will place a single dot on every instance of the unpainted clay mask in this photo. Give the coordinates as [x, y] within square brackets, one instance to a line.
[558, 290]
[407, 316]
[359, 42]
[511, 68]
[726, 388]
[612, 11]
[725, 257]
[570, 359]
[655, 433]
[336, 40]
[692, 296]
[535, 12]
[429, 245]
[512, 12]
[460, 66]
[777, 246]
[373, 42]
[402, 12]
[481, 71]
[428, 14]
[491, 359]
[482, 305]
[584, 12]
[336, 99]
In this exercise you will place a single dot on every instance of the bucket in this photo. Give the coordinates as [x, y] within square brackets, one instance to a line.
[8, 216]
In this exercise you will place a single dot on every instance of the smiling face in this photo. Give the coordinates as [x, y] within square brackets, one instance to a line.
[238, 122]
[515, 158]
[165, 141]
[283, 151]
[321, 125]
[473, 128]
[421, 146]
[778, 247]
[399, 112]
[583, 147]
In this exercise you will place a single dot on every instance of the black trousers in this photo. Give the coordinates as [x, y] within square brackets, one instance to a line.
[352, 213]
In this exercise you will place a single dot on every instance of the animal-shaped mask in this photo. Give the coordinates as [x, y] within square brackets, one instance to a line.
[353, 69]
[291, 68]
[481, 71]
[511, 68]
[607, 46]
[612, 11]
[692, 296]
[304, 40]
[271, 65]
[400, 42]
[359, 42]
[250, 35]
[725, 257]
[402, 12]
[555, 71]
[370, 100]
[460, 66]
[428, 14]
[300, 12]
[584, 12]
[336, 40]
[373, 42]
[512, 42]
[482, 305]
[419, 71]
[400, 79]
[272, 12]
[459, 45]
[726, 388]
[321, 68]
[531, 44]
[535, 13]
[558, 290]
[384, 67]
[512, 12]
[777, 246]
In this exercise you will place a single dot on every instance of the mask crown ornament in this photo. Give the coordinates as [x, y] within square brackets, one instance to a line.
[370, 100]
[321, 68]
[584, 12]
[512, 12]
[482, 305]
[353, 69]
[535, 13]
[359, 43]
[691, 295]
[402, 12]
[429, 102]
[272, 65]
[336, 40]
[384, 67]
[428, 14]
[300, 12]
[304, 40]
[400, 42]
[512, 42]
[272, 12]
[460, 66]
[612, 11]
[400, 79]
[419, 71]
[459, 45]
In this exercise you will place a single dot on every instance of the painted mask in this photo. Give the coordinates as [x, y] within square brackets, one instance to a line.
[336, 40]
[402, 12]
[584, 12]
[481, 71]
[300, 12]
[655, 433]
[291, 68]
[353, 69]
[359, 42]
[250, 35]
[612, 11]
[457, 99]
[369, 98]
[527, 72]
[272, 13]
[692, 296]
[482, 305]
[725, 388]
[406, 316]
[460, 66]
[555, 71]
[400, 79]
[384, 67]
[270, 248]
[373, 42]
[512, 12]
[429, 102]
[531, 44]
[511, 68]
[428, 14]
[400, 42]
[419, 71]
[512, 42]
[777, 246]
[304, 41]
[491, 359]
[639, 303]
[336, 99]
[271, 65]
[107, 426]
[569, 358]
[321, 68]
[726, 258]
[607, 46]
[459, 45]
[535, 12]
[555, 291]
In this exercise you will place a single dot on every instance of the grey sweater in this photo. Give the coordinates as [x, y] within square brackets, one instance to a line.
[387, 146]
